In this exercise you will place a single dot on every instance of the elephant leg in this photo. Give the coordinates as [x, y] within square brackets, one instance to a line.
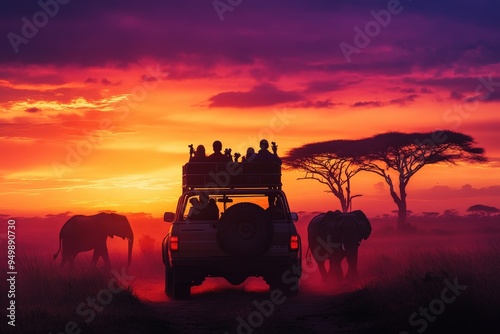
[95, 257]
[72, 260]
[322, 271]
[67, 258]
[336, 265]
[105, 257]
[64, 260]
[352, 261]
[101, 251]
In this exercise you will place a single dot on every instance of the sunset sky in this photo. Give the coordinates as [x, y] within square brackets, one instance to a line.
[99, 100]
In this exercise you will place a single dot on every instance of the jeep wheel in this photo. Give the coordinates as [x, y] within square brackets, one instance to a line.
[245, 229]
[168, 281]
[181, 289]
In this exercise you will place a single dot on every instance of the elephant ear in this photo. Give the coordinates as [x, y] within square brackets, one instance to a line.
[106, 221]
[331, 216]
[330, 224]
[364, 224]
[349, 228]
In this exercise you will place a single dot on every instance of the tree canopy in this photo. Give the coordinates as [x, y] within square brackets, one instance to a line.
[407, 153]
[326, 166]
[335, 162]
[483, 209]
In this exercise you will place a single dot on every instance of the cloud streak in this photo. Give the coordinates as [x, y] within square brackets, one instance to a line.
[263, 95]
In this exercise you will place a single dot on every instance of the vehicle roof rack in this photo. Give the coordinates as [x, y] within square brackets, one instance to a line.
[231, 175]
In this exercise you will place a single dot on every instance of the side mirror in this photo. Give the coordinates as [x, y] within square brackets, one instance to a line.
[294, 216]
[168, 217]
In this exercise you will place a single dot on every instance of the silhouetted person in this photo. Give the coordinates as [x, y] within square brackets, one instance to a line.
[217, 156]
[275, 209]
[264, 155]
[212, 210]
[250, 156]
[209, 210]
[194, 209]
[199, 155]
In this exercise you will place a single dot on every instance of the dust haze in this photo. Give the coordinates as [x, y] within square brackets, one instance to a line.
[400, 274]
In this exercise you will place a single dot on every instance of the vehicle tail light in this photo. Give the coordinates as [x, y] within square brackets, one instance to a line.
[174, 243]
[294, 242]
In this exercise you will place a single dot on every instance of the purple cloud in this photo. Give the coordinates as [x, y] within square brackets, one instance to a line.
[326, 86]
[107, 82]
[316, 104]
[368, 104]
[259, 96]
[444, 192]
[33, 110]
[402, 101]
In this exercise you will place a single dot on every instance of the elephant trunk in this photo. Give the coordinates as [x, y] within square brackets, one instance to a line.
[349, 232]
[130, 244]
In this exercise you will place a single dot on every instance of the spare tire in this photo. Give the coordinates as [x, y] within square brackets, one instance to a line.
[245, 229]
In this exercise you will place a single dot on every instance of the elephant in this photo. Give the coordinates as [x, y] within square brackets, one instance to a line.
[334, 236]
[82, 233]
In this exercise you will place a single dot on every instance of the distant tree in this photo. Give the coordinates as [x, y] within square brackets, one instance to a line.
[430, 214]
[483, 210]
[408, 212]
[451, 213]
[326, 163]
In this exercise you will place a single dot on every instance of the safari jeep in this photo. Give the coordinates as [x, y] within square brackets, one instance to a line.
[232, 221]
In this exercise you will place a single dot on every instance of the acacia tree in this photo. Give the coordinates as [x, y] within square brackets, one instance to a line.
[325, 163]
[483, 210]
[407, 153]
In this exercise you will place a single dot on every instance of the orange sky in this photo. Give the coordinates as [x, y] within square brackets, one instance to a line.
[121, 147]
[98, 109]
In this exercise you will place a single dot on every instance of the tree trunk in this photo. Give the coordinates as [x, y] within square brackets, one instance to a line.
[400, 201]
[402, 214]
[344, 204]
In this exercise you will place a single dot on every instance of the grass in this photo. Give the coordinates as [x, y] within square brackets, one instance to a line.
[48, 298]
[399, 274]
[409, 278]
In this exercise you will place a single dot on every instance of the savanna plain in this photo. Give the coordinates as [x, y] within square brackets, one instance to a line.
[441, 277]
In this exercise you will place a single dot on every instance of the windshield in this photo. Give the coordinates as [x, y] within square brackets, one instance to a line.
[199, 206]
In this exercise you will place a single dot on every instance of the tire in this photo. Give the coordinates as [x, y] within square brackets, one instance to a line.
[168, 281]
[245, 229]
[181, 288]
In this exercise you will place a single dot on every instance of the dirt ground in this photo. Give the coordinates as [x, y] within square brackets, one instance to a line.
[218, 307]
